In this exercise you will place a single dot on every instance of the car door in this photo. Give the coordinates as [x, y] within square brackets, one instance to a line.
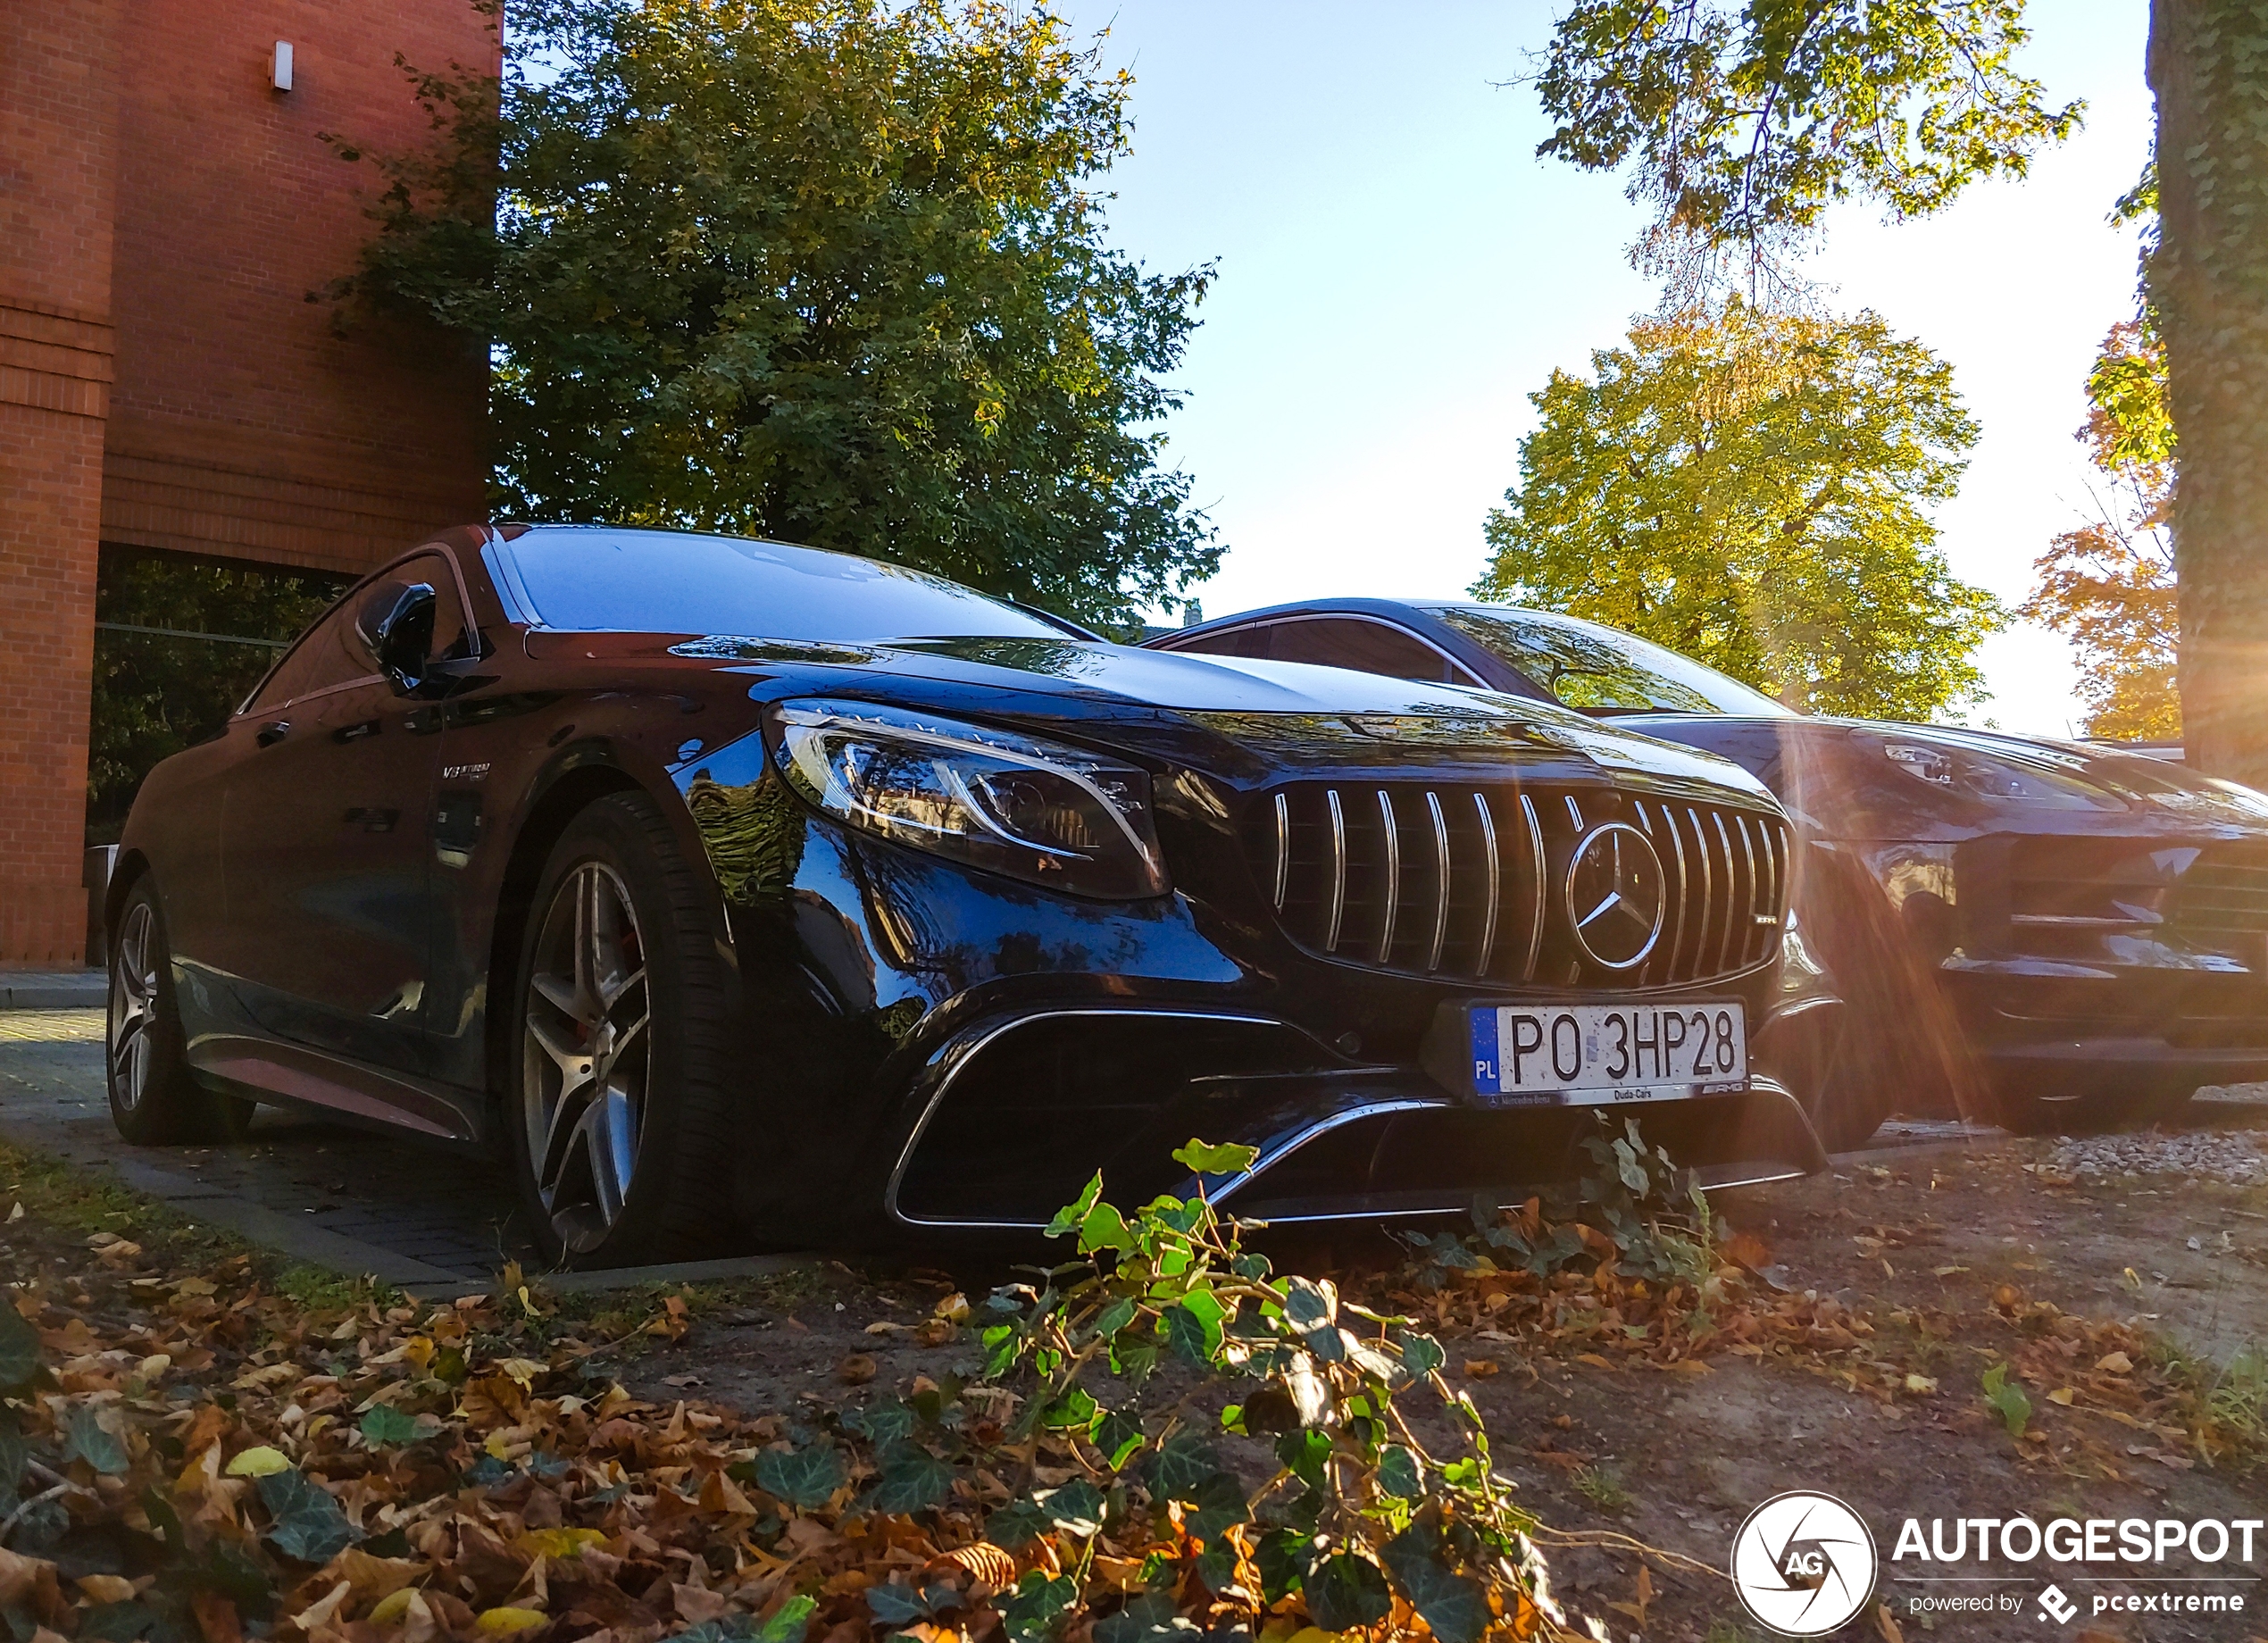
[324, 839]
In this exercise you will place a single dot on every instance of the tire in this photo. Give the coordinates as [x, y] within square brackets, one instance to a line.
[619, 1097]
[154, 1099]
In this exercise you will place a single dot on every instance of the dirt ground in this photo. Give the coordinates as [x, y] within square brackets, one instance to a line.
[1942, 1248]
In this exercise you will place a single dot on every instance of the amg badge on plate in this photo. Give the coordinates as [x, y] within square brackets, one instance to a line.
[1591, 1055]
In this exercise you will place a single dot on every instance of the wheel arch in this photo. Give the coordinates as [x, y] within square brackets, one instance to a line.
[569, 795]
[130, 870]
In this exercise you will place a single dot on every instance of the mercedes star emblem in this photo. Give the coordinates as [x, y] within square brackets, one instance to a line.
[1616, 896]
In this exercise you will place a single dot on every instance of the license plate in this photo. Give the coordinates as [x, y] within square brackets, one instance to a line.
[1594, 1055]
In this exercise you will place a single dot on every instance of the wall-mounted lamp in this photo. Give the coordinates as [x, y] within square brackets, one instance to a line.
[279, 66]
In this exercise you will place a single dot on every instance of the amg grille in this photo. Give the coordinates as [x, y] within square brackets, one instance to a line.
[1468, 882]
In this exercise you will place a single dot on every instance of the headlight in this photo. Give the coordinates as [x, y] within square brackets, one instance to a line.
[2042, 777]
[1037, 810]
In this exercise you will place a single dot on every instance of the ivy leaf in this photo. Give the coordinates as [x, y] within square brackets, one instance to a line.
[1076, 1408]
[1115, 1317]
[1181, 1466]
[2007, 1399]
[882, 1423]
[1310, 1306]
[1074, 1213]
[1345, 1591]
[913, 1479]
[1283, 1558]
[806, 1477]
[1017, 1523]
[384, 1424]
[1211, 1158]
[1076, 1508]
[1103, 1228]
[1422, 1355]
[1193, 1334]
[1117, 1436]
[1398, 1474]
[789, 1624]
[1452, 1605]
[898, 1606]
[308, 1525]
[1303, 1453]
[1219, 1505]
[90, 1441]
[117, 1622]
[1038, 1601]
[1144, 1619]
[19, 1350]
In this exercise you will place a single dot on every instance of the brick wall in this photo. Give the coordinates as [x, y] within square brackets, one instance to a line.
[242, 424]
[58, 159]
[164, 380]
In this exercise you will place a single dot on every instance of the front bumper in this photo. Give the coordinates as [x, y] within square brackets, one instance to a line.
[1018, 1114]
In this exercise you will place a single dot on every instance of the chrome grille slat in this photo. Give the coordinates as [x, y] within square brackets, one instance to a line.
[1440, 881]
[1535, 885]
[1495, 897]
[1283, 848]
[1393, 874]
[1345, 868]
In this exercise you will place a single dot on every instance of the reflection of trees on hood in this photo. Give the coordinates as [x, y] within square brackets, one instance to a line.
[1751, 489]
[753, 834]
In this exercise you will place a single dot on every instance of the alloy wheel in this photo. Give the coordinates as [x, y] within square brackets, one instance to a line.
[133, 1006]
[585, 1055]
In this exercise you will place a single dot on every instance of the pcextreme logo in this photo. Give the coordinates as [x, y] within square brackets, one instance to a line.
[1803, 1563]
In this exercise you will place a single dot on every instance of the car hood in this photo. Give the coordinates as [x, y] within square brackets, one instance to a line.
[1842, 773]
[1232, 715]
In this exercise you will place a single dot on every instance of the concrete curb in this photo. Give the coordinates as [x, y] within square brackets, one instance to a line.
[607, 1279]
[54, 989]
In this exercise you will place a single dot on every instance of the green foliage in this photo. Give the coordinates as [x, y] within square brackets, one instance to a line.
[1750, 488]
[831, 270]
[1358, 1508]
[154, 695]
[2109, 586]
[387, 1426]
[309, 1525]
[1635, 1202]
[1746, 121]
[2006, 1400]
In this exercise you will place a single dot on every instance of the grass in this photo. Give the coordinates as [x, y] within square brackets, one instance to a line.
[2237, 1402]
[1603, 1487]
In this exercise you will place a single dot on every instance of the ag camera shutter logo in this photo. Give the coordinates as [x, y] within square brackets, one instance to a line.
[1803, 1563]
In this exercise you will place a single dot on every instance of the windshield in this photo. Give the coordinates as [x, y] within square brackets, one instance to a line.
[661, 582]
[1600, 669]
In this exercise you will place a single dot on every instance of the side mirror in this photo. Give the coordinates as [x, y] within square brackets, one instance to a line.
[396, 626]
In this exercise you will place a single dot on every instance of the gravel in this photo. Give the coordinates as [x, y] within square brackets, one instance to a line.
[2201, 1156]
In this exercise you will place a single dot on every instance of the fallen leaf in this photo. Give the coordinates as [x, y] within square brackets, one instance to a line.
[2062, 1395]
[259, 1462]
[2114, 1364]
[106, 1587]
[1887, 1625]
[1480, 1369]
[1943, 1272]
[856, 1370]
[510, 1619]
[1921, 1386]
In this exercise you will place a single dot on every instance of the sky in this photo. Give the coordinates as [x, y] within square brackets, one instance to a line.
[1397, 271]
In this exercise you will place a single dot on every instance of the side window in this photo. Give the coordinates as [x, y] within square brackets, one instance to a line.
[327, 653]
[332, 651]
[1235, 642]
[1367, 646]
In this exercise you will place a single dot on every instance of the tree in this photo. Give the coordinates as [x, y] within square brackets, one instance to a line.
[832, 270]
[1745, 123]
[1748, 488]
[1748, 122]
[2109, 586]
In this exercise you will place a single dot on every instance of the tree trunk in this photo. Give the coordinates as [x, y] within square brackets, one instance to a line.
[2208, 64]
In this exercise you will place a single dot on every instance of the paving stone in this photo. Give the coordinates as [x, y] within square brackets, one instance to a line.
[321, 1191]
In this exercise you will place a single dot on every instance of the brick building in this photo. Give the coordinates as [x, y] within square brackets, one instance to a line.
[166, 208]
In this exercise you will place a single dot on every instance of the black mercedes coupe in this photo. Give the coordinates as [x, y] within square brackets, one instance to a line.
[741, 890]
[2059, 934]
